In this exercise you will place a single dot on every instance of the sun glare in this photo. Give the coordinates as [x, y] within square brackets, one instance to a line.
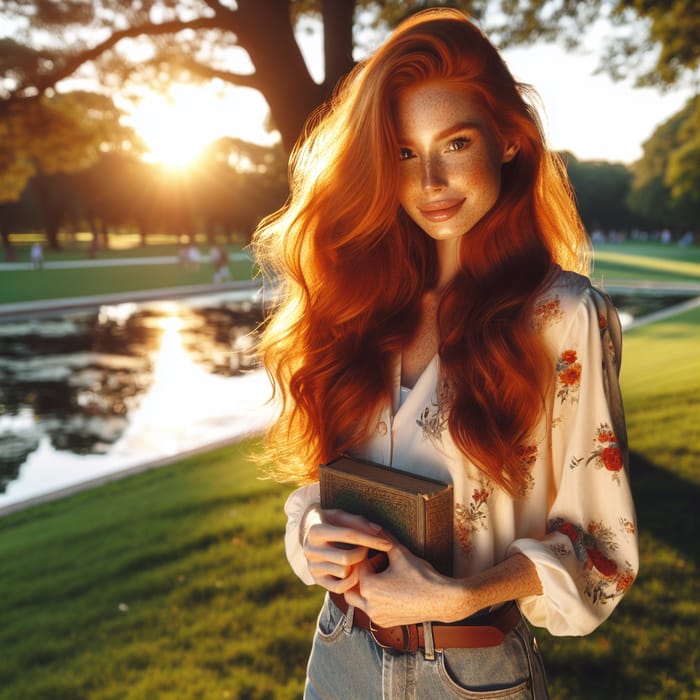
[177, 126]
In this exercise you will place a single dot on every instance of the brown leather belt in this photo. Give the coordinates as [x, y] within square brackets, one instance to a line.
[487, 630]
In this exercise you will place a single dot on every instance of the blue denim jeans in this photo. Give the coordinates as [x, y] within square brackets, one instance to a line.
[347, 664]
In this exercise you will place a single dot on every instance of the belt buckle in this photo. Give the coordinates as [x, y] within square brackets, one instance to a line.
[401, 638]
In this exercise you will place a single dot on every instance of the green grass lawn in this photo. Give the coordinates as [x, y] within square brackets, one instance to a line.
[646, 261]
[625, 261]
[169, 585]
[34, 285]
[173, 584]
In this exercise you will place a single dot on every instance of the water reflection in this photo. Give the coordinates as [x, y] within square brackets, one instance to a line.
[125, 383]
[95, 392]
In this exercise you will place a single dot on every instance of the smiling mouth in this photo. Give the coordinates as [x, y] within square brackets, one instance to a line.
[441, 211]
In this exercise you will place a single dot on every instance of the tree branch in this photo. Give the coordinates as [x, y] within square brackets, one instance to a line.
[48, 81]
[238, 79]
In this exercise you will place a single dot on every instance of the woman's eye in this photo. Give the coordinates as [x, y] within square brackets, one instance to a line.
[405, 153]
[458, 144]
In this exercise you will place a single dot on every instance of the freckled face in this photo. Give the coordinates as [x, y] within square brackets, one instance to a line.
[451, 158]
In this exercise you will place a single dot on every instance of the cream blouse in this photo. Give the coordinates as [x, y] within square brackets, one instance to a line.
[576, 521]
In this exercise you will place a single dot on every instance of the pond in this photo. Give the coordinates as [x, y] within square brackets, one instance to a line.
[91, 393]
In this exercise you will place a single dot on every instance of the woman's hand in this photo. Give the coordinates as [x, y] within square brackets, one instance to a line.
[337, 545]
[408, 591]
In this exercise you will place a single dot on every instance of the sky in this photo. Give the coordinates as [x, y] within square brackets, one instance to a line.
[591, 115]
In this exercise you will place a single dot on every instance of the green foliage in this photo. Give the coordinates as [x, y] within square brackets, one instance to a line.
[197, 40]
[601, 190]
[666, 185]
[61, 134]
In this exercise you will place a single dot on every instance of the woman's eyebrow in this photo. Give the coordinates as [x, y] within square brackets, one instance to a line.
[449, 131]
[460, 126]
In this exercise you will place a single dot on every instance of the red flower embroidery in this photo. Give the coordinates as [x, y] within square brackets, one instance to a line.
[612, 458]
[604, 578]
[606, 566]
[606, 436]
[471, 518]
[571, 375]
[570, 531]
[546, 313]
[568, 375]
[606, 453]
[569, 356]
[480, 496]
[624, 581]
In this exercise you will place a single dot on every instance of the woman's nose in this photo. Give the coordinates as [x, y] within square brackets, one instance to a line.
[433, 175]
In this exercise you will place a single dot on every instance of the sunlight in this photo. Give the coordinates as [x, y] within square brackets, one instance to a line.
[178, 126]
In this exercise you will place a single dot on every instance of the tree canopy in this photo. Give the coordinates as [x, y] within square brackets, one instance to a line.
[252, 42]
[666, 184]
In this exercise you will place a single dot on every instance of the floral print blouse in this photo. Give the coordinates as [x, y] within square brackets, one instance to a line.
[576, 520]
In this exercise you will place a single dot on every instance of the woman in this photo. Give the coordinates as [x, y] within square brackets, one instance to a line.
[436, 317]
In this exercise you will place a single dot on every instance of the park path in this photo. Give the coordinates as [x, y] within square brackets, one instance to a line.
[112, 262]
[37, 308]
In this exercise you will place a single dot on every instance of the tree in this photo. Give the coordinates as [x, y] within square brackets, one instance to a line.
[601, 191]
[666, 185]
[202, 39]
[63, 133]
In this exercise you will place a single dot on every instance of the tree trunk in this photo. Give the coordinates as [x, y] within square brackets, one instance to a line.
[338, 17]
[8, 249]
[49, 210]
[283, 76]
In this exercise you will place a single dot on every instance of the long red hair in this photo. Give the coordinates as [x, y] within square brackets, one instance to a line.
[353, 267]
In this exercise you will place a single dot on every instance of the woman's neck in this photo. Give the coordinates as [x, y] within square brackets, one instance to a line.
[448, 257]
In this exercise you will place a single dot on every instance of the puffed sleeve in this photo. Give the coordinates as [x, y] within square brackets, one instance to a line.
[296, 508]
[588, 557]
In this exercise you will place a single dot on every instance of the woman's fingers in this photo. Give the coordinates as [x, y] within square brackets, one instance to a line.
[335, 547]
[341, 518]
[346, 538]
[334, 583]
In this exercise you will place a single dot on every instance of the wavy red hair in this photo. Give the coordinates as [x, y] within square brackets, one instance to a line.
[353, 267]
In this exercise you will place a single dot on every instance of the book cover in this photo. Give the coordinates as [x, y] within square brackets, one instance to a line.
[416, 510]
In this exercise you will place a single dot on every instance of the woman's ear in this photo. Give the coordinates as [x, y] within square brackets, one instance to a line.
[510, 151]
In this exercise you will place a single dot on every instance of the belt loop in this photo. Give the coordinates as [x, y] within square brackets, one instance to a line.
[347, 625]
[428, 641]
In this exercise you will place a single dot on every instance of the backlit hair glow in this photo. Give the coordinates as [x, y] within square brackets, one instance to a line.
[353, 266]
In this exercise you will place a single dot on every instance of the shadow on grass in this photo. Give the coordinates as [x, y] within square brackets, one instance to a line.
[666, 506]
[648, 649]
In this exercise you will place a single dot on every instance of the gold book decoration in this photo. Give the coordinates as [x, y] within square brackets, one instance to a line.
[413, 508]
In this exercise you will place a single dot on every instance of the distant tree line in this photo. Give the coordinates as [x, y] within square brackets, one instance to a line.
[70, 165]
[661, 191]
[233, 184]
[55, 146]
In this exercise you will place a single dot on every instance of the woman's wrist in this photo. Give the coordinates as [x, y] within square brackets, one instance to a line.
[310, 517]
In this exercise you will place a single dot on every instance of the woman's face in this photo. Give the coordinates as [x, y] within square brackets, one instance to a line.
[450, 169]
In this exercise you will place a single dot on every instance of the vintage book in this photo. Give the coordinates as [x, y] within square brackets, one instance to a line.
[416, 510]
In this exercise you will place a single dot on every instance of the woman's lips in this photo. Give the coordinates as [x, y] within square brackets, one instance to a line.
[441, 211]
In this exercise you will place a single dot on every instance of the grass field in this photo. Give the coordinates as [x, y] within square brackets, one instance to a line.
[649, 261]
[619, 261]
[48, 283]
[173, 584]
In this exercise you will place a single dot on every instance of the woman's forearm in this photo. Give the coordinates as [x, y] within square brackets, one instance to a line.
[511, 579]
